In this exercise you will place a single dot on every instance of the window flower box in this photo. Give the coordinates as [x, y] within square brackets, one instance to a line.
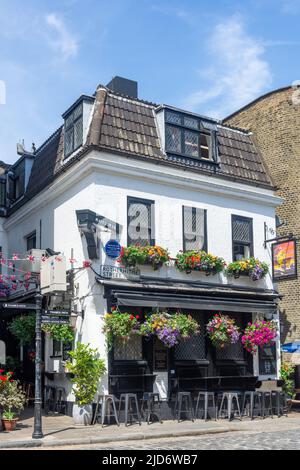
[250, 267]
[189, 261]
[154, 256]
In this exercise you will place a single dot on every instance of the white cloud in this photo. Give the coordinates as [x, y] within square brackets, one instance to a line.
[62, 40]
[239, 72]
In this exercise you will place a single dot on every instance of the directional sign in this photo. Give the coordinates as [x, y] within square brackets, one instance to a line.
[20, 306]
[56, 321]
[57, 313]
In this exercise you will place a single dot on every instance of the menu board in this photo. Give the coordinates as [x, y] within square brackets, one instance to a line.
[267, 360]
[160, 356]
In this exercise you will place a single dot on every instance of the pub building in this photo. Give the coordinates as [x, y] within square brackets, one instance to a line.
[120, 172]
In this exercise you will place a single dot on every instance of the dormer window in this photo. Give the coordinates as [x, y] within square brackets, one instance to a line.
[187, 135]
[74, 129]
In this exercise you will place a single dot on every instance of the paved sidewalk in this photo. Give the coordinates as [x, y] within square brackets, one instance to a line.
[59, 430]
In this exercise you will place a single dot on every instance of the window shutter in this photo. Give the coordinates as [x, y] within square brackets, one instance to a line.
[194, 229]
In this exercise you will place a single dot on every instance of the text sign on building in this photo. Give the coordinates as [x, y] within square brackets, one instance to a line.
[20, 306]
[116, 272]
[57, 313]
[56, 320]
[113, 249]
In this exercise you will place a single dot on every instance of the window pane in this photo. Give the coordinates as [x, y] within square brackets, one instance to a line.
[194, 228]
[174, 118]
[241, 230]
[191, 140]
[240, 252]
[31, 242]
[205, 144]
[78, 131]
[77, 111]
[191, 122]
[173, 139]
[2, 192]
[139, 223]
[69, 141]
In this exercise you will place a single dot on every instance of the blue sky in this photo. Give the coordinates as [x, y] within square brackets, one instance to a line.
[210, 57]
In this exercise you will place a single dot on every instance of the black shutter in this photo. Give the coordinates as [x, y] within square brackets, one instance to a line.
[194, 229]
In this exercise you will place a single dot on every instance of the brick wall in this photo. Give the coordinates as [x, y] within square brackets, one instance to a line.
[275, 122]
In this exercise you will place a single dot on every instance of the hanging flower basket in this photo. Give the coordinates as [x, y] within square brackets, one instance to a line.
[222, 330]
[251, 267]
[259, 334]
[169, 329]
[120, 325]
[154, 256]
[189, 261]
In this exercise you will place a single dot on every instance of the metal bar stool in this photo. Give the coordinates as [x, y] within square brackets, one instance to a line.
[49, 398]
[279, 403]
[129, 400]
[264, 400]
[106, 404]
[206, 397]
[183, 398]
[248, 403]
[59, 403]
[230, 397]
[151, 406]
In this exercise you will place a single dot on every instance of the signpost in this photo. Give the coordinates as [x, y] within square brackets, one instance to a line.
[56, 320]
[21, 306]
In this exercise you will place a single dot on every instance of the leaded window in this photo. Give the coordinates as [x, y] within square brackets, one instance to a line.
[74, 130]
[192, 349]
[186, 135]
[130, 350]
[242, 237]
[194, 228]
[140, 228]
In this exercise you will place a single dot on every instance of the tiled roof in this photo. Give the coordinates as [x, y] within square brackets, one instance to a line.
[128, 126]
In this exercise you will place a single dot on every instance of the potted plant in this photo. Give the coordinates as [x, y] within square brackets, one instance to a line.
[23, 328]
[222, 330]
[134, 255]
[251, 267]
[120, 325]
[64, 333]
[259, 334]
[193, 260]
[169, 329]
[12, 400]
[87, 368]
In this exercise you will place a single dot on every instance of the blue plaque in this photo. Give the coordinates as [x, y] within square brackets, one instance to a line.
[113, 249]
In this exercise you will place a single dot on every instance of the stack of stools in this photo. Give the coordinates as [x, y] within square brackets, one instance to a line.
[183, 404]
[131, 407]
[151, 406]
[279, 403]
[259, 403]
[205, 399]
[59, 404]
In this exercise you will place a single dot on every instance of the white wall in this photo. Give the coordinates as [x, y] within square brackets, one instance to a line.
[100, 185]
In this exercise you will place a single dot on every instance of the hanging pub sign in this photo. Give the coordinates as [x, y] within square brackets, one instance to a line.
[284, 260]
[113, 249]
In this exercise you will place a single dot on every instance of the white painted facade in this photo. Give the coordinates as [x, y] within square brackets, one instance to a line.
[102, 182]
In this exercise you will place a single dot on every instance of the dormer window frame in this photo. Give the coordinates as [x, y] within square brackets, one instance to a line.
[72, 120]
[193, 126]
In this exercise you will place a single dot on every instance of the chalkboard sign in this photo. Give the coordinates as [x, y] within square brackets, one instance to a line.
[267, 360]
[160, 356]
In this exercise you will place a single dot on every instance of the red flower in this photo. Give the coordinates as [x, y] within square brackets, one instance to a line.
[87, 264]
[10, 373]
[113, 309]
[1, 371]
[137, 317]
[131, 317]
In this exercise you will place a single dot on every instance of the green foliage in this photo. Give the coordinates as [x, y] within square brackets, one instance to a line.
[9, 415]
[12, 397]
[62, 333]
[135, 255]
[286, 373]
[193, 260]
[87, 368]
[119, 325]
[23, 328]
